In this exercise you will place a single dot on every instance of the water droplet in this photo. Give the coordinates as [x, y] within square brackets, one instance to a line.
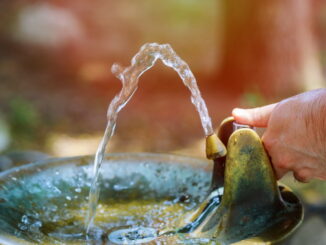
[52, 208]
[22, 227]
[35, 227]
[119, 187]
[136, 235]
[24, 219]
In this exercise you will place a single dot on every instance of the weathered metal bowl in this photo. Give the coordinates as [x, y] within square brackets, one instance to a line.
[46, 202]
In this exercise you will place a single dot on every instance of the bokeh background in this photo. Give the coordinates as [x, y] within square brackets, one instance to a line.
[55, 79]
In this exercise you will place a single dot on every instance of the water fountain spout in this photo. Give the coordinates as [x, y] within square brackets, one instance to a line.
[245, 200]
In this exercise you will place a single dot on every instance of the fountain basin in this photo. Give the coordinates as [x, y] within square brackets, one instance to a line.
[46, 202]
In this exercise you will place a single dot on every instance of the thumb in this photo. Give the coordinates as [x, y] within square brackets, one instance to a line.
[257, 117]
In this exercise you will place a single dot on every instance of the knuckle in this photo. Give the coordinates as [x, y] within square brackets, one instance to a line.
[283, 104]
[268, 143]
[285, 162]
[257, 114]
[280, 173]
[303, 175]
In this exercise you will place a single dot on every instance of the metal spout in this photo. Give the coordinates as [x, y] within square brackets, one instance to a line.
[214, 147]
[246, 200]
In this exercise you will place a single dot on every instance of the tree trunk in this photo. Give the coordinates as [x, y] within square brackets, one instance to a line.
[269, 46]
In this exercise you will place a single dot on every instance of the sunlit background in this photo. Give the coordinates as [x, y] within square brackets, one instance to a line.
[56, 83]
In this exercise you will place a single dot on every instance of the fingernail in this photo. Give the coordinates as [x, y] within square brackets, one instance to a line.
[241, 113]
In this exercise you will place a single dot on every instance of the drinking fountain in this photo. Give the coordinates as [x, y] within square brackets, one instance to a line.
[246, 202]
[150, 198]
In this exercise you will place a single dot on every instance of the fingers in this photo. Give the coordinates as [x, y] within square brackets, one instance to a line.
[279, 172]
[303, 175]
[257, 117]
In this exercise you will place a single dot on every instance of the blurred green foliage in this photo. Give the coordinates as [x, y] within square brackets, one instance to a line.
[253, 98]
[25, 123]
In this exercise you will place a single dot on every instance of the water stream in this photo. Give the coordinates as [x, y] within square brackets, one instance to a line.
[141, 62]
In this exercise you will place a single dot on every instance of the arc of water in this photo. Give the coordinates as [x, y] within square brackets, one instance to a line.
[129, 76]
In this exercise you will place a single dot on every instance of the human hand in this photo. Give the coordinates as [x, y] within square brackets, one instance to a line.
[295, 136]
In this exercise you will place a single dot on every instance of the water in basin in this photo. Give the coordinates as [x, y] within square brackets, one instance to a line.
[47, 203]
